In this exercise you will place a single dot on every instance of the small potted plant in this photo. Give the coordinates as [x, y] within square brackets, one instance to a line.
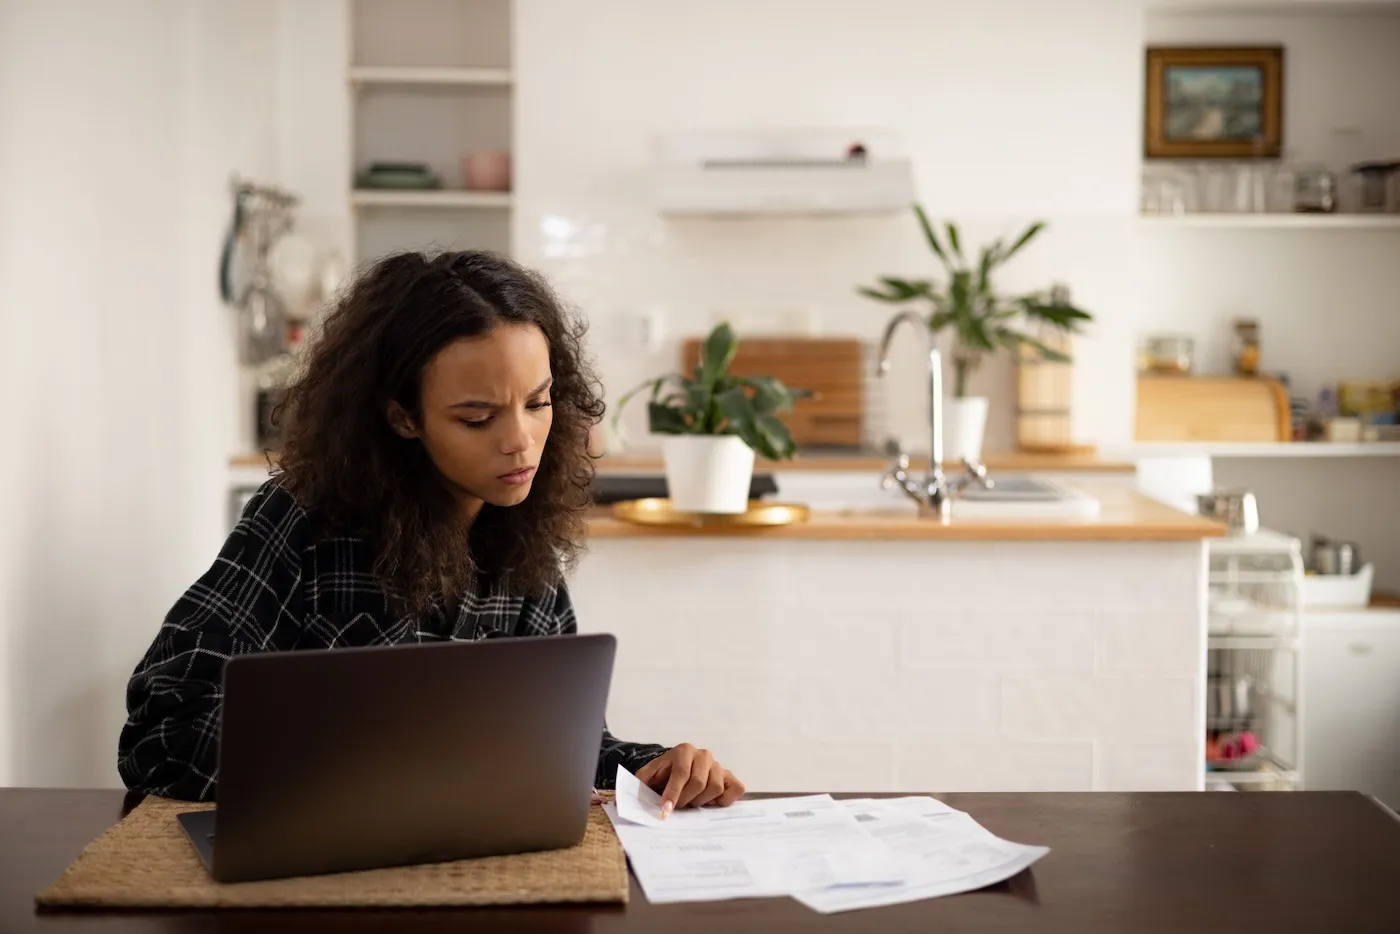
[712, 423]
[982, 321]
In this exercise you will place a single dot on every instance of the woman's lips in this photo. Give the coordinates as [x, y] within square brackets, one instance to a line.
[517, 477]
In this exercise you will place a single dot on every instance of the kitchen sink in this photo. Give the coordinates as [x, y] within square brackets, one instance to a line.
[1013, 496]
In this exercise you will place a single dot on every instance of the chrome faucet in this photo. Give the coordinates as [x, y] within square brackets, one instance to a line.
[935, 493]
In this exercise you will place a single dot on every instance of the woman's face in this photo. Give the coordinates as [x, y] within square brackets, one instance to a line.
[486, 414]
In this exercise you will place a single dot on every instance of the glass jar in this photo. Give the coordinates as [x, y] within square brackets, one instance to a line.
[1168, 354]
[1314, 191]
[1245, 352]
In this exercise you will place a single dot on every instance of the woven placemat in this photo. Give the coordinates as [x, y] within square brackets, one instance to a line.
[147, 861]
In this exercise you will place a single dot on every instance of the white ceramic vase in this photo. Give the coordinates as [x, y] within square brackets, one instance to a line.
[964, 424]
[708, 473]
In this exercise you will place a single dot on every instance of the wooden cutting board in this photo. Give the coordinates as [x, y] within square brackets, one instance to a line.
[1205, 408]
[832, 368]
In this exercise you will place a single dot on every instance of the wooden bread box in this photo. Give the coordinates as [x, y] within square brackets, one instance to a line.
[831, 368]
[1209, 408]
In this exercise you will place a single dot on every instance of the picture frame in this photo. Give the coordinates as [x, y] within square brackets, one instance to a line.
[1214, 102]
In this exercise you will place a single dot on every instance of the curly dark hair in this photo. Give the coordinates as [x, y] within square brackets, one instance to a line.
[343, 462]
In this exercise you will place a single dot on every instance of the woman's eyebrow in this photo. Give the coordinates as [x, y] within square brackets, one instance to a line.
[480, 404]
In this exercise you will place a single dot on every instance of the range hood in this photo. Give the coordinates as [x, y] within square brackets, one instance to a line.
[783, 172]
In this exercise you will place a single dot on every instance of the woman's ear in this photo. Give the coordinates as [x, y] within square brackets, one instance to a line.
[401, 421]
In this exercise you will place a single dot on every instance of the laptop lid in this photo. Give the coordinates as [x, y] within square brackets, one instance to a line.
[356, 758]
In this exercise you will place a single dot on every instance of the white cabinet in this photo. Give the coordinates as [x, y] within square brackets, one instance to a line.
[1351, 723]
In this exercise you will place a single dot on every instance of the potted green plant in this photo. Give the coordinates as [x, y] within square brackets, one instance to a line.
[712, 423]
[982, 320]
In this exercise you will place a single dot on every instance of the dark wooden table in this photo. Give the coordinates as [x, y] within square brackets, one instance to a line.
[1145, 863]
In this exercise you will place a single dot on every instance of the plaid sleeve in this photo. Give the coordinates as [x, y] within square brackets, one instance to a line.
[613, 751]
[248, 601]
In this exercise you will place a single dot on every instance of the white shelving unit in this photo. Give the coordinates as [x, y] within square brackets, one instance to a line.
[1253, 681]
[429, 81]
[430, 76]
[1251, 449]
[407, 198]
[1272, 221]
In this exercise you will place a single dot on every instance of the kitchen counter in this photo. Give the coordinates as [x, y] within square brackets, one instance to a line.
[883, 652]
[1080, 460]
[1125, 515]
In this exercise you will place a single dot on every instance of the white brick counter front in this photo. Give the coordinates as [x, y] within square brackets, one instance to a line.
[910, 665]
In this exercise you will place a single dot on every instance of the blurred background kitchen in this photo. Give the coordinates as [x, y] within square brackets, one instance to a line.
[183, 183]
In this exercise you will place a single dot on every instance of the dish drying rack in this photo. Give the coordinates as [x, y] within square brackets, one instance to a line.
[1253, 677]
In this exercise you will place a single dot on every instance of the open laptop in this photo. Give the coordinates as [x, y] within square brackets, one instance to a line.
[332, 760]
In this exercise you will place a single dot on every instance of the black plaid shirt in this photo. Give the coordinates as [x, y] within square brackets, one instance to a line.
[278, 586]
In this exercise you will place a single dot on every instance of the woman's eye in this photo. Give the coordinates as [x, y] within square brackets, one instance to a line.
[475, 423]
[540, 405]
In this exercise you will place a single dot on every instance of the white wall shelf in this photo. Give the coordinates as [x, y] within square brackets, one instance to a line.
[1246, 449]
[1275, 221]
[1275, 7]
[430, 76]
[458, 200]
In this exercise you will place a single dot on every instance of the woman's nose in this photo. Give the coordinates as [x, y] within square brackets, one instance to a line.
[515, 435]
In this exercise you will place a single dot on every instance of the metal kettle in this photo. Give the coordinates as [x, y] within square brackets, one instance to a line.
[1330, 556]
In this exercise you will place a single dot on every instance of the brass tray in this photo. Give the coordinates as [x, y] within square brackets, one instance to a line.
[760, 514]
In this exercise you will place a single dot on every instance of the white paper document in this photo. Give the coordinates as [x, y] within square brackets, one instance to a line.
[831, 855]
[944, 852]
[752, 849]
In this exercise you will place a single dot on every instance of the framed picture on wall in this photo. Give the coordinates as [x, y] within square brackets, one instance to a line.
[1210, 102]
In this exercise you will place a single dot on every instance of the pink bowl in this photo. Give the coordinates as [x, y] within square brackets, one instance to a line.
[486, 170]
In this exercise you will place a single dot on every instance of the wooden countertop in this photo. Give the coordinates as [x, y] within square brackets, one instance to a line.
[1146, 863]
[1124, 515]
[1085, 460]
[1082, 460]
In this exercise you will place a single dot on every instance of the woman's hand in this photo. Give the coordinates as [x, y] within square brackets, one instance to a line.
[690, 778]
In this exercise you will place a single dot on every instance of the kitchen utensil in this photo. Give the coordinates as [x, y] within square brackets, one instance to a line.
[262, 326]
[486, 170]
[234, 273]
[408, 175]
[1169, 354]
[1332, 556]
[1229, 701]
[1201, 408]
[1236, 508]
[1375, 185]
[292, 270]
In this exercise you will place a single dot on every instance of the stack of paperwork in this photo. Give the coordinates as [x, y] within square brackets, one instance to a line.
[830, 855]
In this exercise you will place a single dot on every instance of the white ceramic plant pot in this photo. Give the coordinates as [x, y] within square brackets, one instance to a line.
[964, 423]
[708, 473]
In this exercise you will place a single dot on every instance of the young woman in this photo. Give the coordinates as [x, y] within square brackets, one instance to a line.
[432, 486]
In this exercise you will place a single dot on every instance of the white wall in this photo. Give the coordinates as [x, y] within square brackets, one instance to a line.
[1014, 109]
[121, 125]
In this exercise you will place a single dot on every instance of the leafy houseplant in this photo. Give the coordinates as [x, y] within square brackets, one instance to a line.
[982, 320]
[713, 422]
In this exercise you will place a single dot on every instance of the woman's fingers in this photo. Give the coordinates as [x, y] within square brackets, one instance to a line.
[733, 790]
[654, 770]
[701, 764]
[674, 795]
[714, 786]
[690, 777]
